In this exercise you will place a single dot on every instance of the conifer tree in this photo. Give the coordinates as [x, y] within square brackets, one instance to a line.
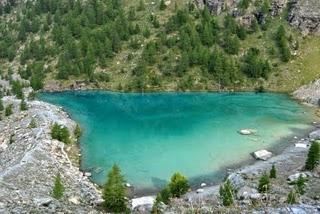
[292, 197]
[114, 191]
[23, 105]
[178, 185]
[313, 156]
[264, 183]
[226, 193]
[162, 6]
[1, 105]
[300, 184]
[273, 172]
[58, 188]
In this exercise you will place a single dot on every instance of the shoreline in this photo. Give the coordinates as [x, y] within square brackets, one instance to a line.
[286, 146]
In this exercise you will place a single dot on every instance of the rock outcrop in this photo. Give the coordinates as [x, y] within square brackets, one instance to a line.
[309, 93]
[30, 160]
[305, 15]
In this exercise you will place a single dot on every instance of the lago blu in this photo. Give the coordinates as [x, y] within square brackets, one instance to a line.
[151, 136]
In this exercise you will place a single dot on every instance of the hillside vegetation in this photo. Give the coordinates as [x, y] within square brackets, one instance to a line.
[146, 45]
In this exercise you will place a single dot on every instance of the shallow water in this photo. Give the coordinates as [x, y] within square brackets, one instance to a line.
[151, 136]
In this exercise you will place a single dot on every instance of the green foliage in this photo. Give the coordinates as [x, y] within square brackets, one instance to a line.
[178, 185]
[282, 43]
[8, 110]
[32, 124]
[292, 197]
[1, 105]
[17, 89]
[254, 66]
[60, 133]
[300, 184]
[244, 4]
[77, 132]
[114, 192]
[23, 105]
[226, 193]
[162, 5]
[141, 5]
[265, 7]
[313, 156]
[273, 172]
[58, 188]
[164, 195]
[264, 183]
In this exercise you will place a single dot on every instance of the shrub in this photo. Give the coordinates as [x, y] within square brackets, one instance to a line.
[78, 132]
[58, 188]
[23, 105]
[273, 172]
[264, 183]
[60, 133]
[292, 197]
[300, 184]
[165, 195]
[1, 105]
[114, 191]
[8, 110]
[162, 5]
[178, 185]
[226, 193]
[32, 124]
[313, 156]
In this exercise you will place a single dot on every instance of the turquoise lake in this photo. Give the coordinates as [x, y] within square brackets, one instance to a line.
[151, 136]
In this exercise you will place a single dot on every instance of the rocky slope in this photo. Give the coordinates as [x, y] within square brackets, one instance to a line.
[30, 160]
[309, 93]
[305, 14]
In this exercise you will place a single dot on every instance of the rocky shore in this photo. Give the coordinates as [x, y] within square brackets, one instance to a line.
[30, 160]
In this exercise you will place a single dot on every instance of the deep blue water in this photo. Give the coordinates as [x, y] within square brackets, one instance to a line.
[151, 136]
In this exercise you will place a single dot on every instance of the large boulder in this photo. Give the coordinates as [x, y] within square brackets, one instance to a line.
[309, 93]
[262, 155]
[246, 193]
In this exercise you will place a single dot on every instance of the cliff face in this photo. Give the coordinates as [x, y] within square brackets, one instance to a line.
[305, 14]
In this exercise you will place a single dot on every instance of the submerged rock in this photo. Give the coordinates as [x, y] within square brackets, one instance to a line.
[262, 155]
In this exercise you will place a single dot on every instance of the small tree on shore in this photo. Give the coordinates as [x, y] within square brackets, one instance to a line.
[226, 193]
[1, 105]
[273, 172]
[300, 184]
[58, 188]
[60, 133]
[264, 183]
[23, 105]
[77, 132]
[178, 185]
[8, 110]
[313, 156]
[292, 197]
[162, 6]
[114, 191]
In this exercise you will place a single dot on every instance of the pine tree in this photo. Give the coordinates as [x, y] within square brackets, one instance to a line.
[114, 191]
[1, 105]
[300, 184]
[58, 188]
[313, 156]
[226, 193]
[141, 5]
[162, 6]
[8, 110]
[264, 183]
[178, 185]
[23, 105]
[273, 172]
[292, 197]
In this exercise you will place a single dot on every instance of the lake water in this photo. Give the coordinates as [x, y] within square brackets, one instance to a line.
[151, 136]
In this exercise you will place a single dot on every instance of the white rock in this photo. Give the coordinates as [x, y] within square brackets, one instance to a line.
[128, 185]
[203, 184]
[87, 174]
[74, 200]
[167, 3]
[45, 201]
[315, 135]
[300, 145]
[295, 176]
[143, 201]
[262, 155]
[200, 190]
[245, 132]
